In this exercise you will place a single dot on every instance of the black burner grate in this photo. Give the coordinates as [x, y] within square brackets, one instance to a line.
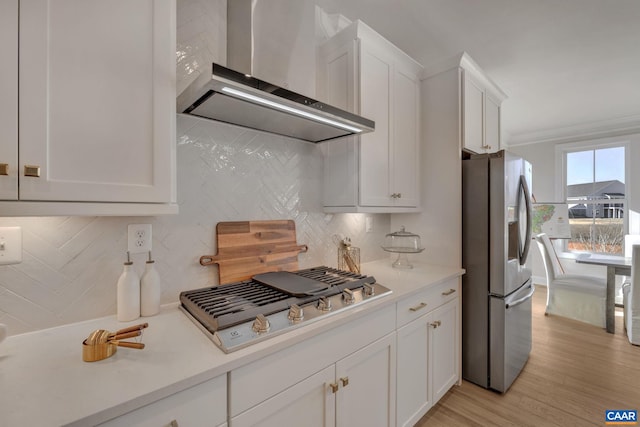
[220, 307]
[234, 297]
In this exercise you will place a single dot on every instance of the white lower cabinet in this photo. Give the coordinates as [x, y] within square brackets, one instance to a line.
[414, 399]
[310, 403]
[385, 368]
[366, 384]
[358, 390]
[342, 377]
[444, 360]
[428, 353]
[204, 404]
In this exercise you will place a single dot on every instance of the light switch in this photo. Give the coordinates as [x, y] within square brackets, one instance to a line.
[10, 245]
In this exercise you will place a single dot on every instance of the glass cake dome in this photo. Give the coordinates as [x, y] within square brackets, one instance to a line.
[402, 242]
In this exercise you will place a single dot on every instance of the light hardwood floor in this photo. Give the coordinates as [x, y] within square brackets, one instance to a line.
[575, 372]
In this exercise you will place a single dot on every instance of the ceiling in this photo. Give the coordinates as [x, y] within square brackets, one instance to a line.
[568, 67]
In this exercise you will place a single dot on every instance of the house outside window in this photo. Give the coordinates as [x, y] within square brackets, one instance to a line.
[595, 191]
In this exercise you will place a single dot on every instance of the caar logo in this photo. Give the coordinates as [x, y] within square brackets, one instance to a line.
[621, 417]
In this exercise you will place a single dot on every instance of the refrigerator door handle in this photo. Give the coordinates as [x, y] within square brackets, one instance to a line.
[521, 300]
[527, 238]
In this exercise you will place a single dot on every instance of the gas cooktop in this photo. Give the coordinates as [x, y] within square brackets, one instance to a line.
[236, 315]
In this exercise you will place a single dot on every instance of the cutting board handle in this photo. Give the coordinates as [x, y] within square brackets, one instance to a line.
[214, 259]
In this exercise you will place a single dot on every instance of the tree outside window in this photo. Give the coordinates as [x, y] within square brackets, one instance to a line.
[595, 192]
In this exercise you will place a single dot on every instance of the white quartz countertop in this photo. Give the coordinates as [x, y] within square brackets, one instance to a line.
[405, 282]
[45, 382]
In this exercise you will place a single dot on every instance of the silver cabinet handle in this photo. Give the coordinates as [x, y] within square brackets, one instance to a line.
[418, 307]
[449, 292]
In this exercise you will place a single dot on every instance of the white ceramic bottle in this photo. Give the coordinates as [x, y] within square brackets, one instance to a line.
[150, 289]
[128, 301]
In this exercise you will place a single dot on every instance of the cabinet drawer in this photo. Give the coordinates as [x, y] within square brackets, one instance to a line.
[203, 404]
[426, 300]
[309, 400]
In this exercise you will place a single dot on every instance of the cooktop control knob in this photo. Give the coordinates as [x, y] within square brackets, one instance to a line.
[296, 313]
[261, 324]
[348, 297]
[368, 289]
[324, 304]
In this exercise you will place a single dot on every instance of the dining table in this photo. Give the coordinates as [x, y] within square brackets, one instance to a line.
[616, 265]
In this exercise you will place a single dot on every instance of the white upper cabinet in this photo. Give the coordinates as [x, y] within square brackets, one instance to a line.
[462, 102]
[473, 115]
[493, 127]
[8, 99]
[361, 72]
[96, 103]
[481, 100]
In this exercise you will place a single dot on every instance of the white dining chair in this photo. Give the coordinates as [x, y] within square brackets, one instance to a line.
[631, 299]
[629, 241]
[578, 297]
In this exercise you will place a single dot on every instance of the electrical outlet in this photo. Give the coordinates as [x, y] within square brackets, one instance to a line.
[368, 224]
[10, 245]
[139, 238]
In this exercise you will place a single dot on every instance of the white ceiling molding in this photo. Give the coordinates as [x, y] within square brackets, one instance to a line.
[464, 61]
[601, 129]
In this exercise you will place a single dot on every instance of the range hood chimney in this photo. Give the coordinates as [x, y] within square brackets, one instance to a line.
[233, 96]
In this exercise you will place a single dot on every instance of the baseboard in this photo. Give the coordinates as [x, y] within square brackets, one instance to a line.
[539, 280]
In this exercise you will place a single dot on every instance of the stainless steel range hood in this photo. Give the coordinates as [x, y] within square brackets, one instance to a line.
[231, 95]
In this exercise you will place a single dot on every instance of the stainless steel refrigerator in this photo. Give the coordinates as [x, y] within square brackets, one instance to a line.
[496, 288]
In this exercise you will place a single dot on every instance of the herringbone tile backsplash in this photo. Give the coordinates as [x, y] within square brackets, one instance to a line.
[71, 264]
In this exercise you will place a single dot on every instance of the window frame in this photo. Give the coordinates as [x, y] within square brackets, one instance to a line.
[561, 171]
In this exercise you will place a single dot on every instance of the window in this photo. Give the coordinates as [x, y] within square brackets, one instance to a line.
[596, 194]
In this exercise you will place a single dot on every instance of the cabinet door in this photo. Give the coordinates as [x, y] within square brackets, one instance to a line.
[9, 100]
[376, 70]
[336, 85]
[473, 119]
[97, 100]
[404, 155]
[367, 381]
[310, 403]
[492, 123]
[444, 348]
[203, 404]
[414, 397]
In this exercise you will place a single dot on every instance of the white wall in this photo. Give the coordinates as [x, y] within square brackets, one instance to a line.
[439, 224]
[544, 159]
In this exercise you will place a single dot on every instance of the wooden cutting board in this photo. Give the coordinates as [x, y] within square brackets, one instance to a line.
[247, 248]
